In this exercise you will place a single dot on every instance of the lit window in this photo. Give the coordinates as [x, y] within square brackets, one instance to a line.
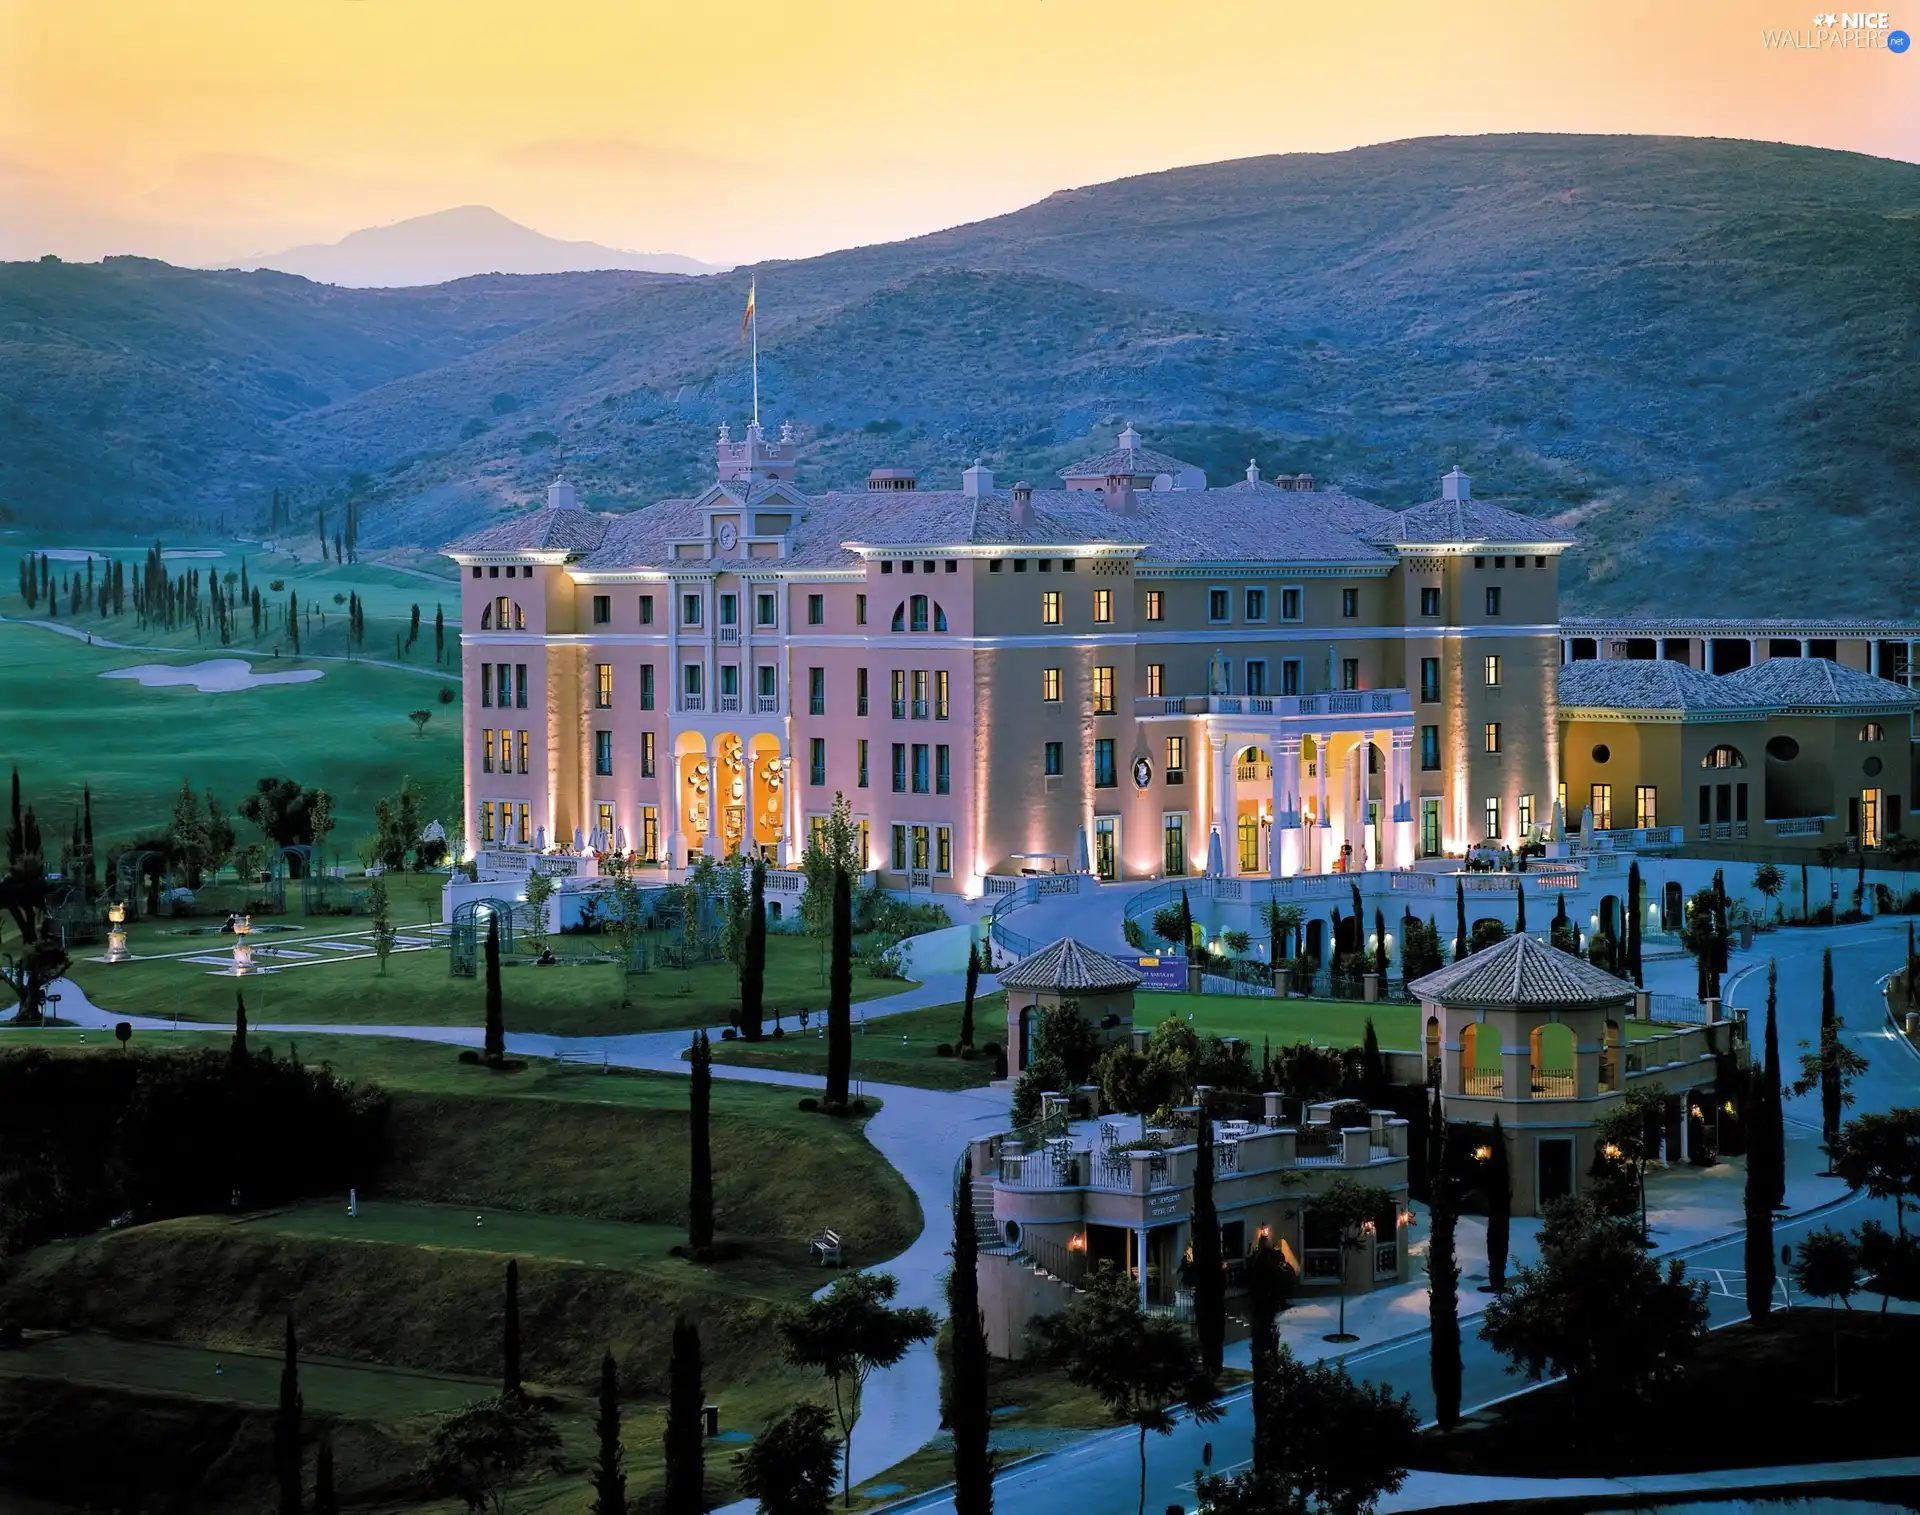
[1103, 605]
[1156, 605]
[943, 849]
[1492, 662]
[486, 751]
[899, 694]
[1054, 758]
[1493, 818]
[1601, 798]
[646, 755]
[1156, 680]
[940, 694]
[1103, 691]
[603, 686]
[1176, 760]
[1646, 806]
[1526, 813]
[1050, 607]
[1493, 736]
[1050, 685]
[1873, 731]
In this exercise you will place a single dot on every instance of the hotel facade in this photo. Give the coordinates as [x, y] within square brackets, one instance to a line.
[1131, 674]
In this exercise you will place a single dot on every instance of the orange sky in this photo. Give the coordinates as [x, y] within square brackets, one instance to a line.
[199, 130]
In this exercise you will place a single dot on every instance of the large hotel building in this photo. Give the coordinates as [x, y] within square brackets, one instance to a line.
[1117, 675]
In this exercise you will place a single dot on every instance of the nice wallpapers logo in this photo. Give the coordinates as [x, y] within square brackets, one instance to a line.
[1851, 31]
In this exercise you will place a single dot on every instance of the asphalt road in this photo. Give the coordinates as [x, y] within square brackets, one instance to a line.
[1100, 1476]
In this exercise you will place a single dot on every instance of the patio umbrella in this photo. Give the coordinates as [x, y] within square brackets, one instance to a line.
[1216, 865]
[1559, 824]
[1080, 862]
[1586, 829]
[620, 839]
[540, 838]
[579, 841]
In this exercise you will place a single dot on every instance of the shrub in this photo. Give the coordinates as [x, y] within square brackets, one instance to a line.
[729, 1034]
[809, 1104]
[469, 1056]
[945, 1049]
[446, 695]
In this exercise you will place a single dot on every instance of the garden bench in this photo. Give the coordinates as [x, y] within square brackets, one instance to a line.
[826, 1248]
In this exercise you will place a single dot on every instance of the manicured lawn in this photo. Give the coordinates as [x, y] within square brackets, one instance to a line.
[894, 1049]
[578, 996]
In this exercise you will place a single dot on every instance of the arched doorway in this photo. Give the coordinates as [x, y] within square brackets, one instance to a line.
[1481, 1070]
[1610, 915]
[1316, 941]
[1432, 1044]
[1610, 1058]
[1365, 804]
[1551, 1058]
[1672, 907]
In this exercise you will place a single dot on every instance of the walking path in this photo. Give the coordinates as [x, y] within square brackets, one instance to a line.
[1451, 1491]
[94, 639]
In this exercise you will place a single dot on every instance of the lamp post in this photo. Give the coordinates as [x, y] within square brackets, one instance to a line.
[242, 947]
[117, 932]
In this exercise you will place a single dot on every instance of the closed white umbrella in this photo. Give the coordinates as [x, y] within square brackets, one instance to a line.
[1216, 863]
[1080, 861]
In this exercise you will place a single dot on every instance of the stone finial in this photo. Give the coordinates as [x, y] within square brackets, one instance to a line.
[786, 433]
[726, 433]
[1129, 439]
[1253, 471]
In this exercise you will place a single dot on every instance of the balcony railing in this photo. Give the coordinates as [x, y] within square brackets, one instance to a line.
[1259, 773]
[1491, 1084]
[1807, 826]
[729, 635]
[1559, 1083]
[767, 704]
[1341, 702]
[693, 702]
[729, 702]
[899, 710]
[919, 710]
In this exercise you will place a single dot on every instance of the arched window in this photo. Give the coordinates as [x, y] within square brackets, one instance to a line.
[900, 616]
[486, 617]
[1723, 757]
[939, 618]
[918, 614]
[1873, 731]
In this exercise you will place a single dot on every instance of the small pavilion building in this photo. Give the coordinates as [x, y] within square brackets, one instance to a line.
[1066, 972]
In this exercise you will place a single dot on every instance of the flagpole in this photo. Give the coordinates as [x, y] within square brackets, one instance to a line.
[754, 313]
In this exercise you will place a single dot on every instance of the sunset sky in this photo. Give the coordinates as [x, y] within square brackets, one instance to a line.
[205, 130]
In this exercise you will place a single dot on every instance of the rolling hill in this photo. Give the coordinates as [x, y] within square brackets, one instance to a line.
[1701, 355]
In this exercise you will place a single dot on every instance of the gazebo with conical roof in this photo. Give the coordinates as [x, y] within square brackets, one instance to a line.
[1062, 972]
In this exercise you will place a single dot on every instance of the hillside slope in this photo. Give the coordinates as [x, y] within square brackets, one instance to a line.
[1700, 354]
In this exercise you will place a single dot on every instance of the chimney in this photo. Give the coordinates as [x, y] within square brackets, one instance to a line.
[1120, 497]
[1456, 486]
[1023, 506]
[977, 481]
[560, 496]
[1253, 471]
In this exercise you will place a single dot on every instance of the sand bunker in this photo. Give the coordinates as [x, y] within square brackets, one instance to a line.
[215, 676]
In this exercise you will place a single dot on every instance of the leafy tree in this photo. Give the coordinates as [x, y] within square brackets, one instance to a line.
[790, 1466]
[238, 1051]
[1629, 1139]
[1880, 1152]
[840, 994]
[1209, 1267]
[1237, 942]
[1487, 933]
[187, 835]
[968, 1414]
[1499, 1207]
[700, 1146]
[540, 889]
[1140, 1366]
[608, 1479]
[23, 895]
[1373, 1068]
[1832, 1066]
[510, 1334]
[1827, 1265]
[286, 1429]
[495, 1049]
[1329, 1445]
[1597, 1311]
[753, 958]
[1186, 923]
[1443, 1278]
[848, 1332]
[1270, 1285]
[1282, 923]
[973, 986]
[627, 920]
[476, 1454]
[1519, 906]
[1355, 1211]
[398, 820]
[1768, 881]
[833, 847]
[1168, 923]
[684, 1439]
[385, 933]
[439, 633]
[283, 811]
[1420, 949]
[419, 719]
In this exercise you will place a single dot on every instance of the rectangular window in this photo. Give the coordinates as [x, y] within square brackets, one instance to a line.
[1429, 828]
[1053, 759]
[1493, 819]
[943, 769]
[1349, 603]
[486, 685]
[766, 610]
[920, 678]
[1289, 604]
[1156, 680]
[689, 610]
[502, 613]
[859, 610]
[646, 686]
[817, 761]
[729, 610]
[899, 849]
[1105, 775]
[816, 691]
[1493, 599]
[602, 609]
[1173, 833]
[919, 848]
[526, 823]
[1256, 676]
[1491, 665]
[1492, 731]
[1256, 604]
[650, 833]
[1050, 685]
[899, 768]
[646, 610]
[1156, 605]
[899, 694]
[486, 811]
[1526, 814]
[1103, 605]
[768, 677]
[730, 680]
[1429, 680]
[1602, 800]
[1219, 605]
[1106, 847]
[943, 849]
[647, 768]
[1050, 607]
[604, 814]
[603, 753]
[940, 694]
[519, 686]
[1429, 749]
[860, 691]
[1176, 770]
[1430, 603]
[523, 750]
[690, 676]
[1349, 673]
[603, 686]
[486, 751]
[860, 747]
[816, 610]
[1290, 675]
[1103, 691]
[503, 684]
[920, 768]
[1646, 806]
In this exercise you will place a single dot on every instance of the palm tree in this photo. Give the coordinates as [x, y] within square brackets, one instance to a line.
[1831, 856]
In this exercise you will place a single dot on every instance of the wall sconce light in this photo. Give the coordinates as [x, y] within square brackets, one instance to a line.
[1077, 1242]
[1611, 1150]
[1265, 1233]
[1481, 1154]
[1406, 1217]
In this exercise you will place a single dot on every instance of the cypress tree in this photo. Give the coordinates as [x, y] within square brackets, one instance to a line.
[1373, 1068]
[1774, 1129]
[238, 1054]
[1380, 963]
[608, 1480]
[510, 1334]
[1186, 923]
[1519, 906]
[1209, 1270]
[753, 958]
[1499, 1210]
[1443, 1277]
[496, 1043]
[325, 1501]
[86, 833]
[1830, 1090]
[684, 1440]
[1757, 1201]
[840, 993]
[293, 620]
[286, 1429]
[413, 625]
[439, 633]
[1459, 918]
[968, 1415]
[973, 985]
[700, 1162]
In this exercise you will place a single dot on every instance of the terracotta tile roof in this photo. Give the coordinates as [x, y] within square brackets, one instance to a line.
[1519, 971]
[1816, 684]
[1439, 522]
[539, 530]
[1131, 461]
[1648, 684]
[1730, 625]
[1069, 965]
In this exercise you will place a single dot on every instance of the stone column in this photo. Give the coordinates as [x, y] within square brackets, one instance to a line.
[1566, 649]
[1806, 648]
[676, 840]
[790, 842]
[1913, 678]
[749, 841]
[1222, 797]
[1401, 777]
[1873, 657]
[1286, 859]
[1753, 651]
[1323, 747]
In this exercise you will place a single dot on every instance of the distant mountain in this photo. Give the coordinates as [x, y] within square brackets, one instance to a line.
[1701, 356]
[455, 244]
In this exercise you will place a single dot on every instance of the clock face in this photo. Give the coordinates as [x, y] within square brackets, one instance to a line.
[1142, 773]
[728, 536]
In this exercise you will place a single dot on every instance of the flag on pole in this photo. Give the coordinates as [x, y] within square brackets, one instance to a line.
[747, 319]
